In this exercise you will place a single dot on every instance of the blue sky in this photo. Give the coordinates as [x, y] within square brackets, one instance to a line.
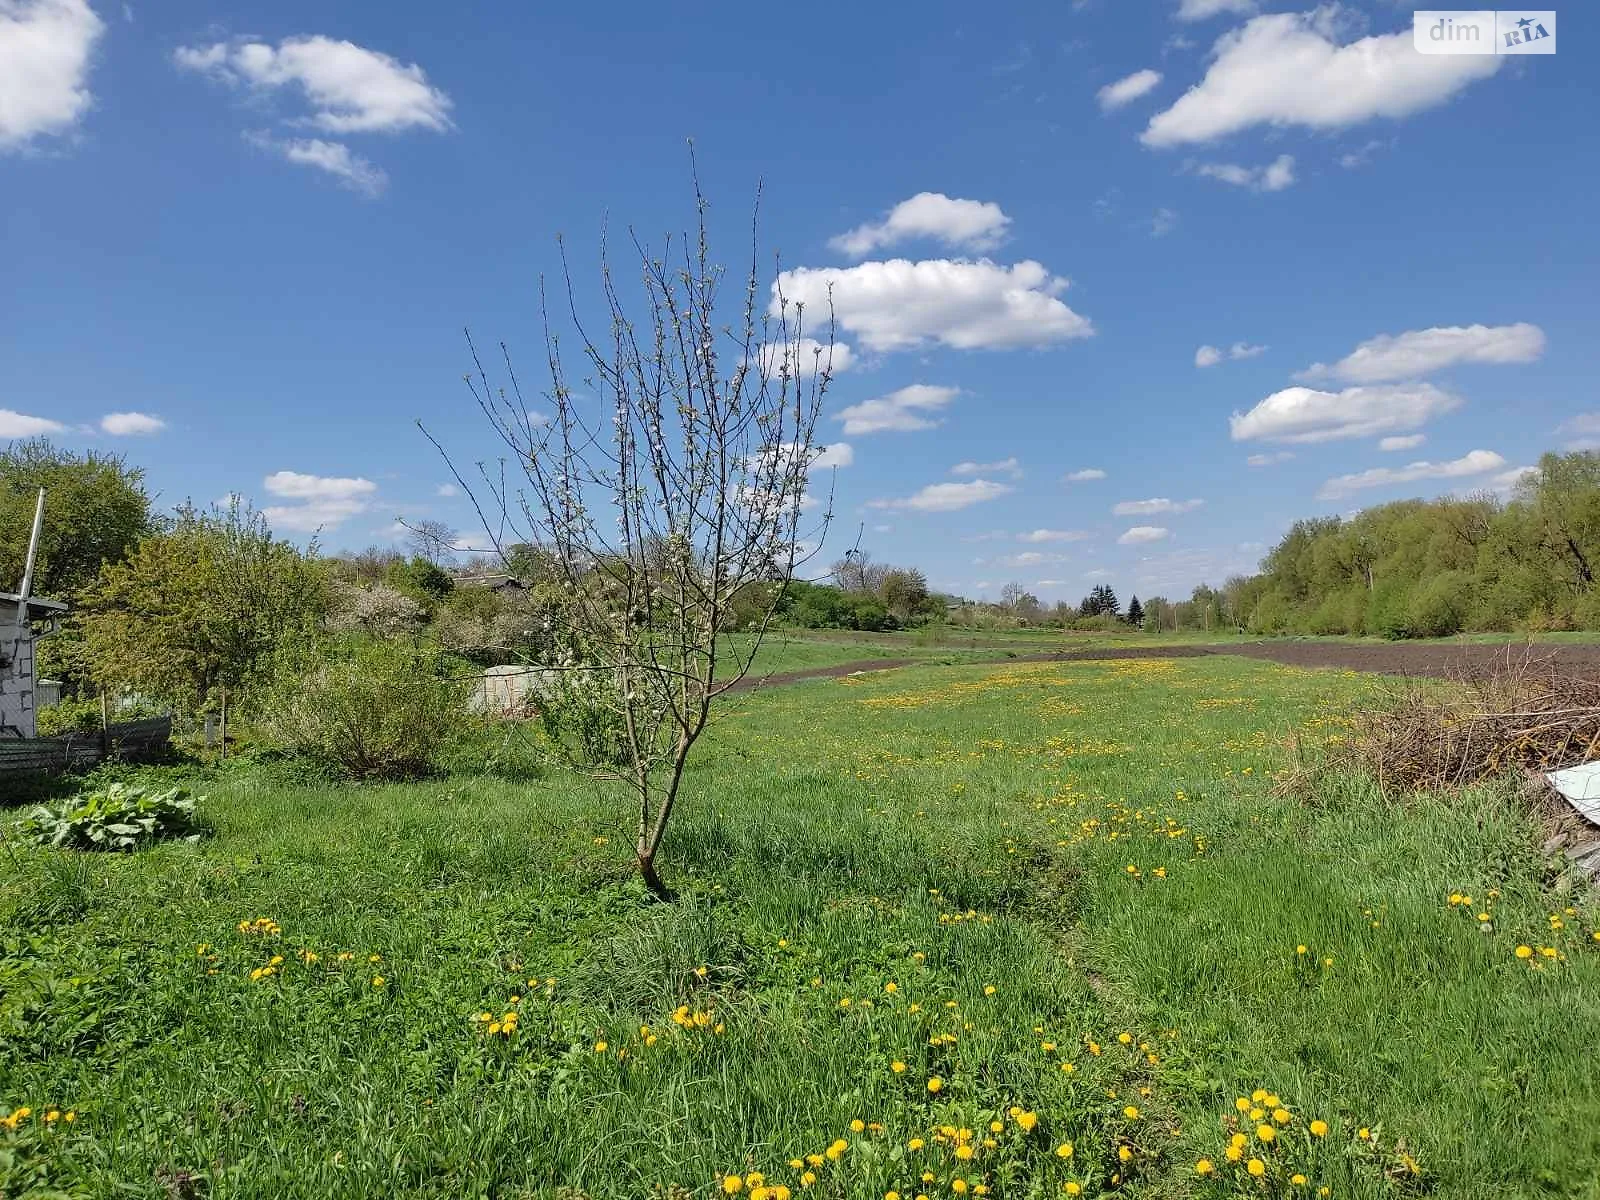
[239, 245]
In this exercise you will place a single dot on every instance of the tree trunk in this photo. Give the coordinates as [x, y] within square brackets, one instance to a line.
[1583, 564]
[652, 879]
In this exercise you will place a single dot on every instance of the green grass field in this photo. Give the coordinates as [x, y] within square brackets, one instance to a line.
[1029, 930]
[788, 649]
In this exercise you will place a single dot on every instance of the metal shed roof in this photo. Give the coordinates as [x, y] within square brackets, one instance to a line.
[34, 602]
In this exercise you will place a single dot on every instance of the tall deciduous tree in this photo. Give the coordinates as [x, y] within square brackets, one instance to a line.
[657, 495]
[201, 606]
[96, 510]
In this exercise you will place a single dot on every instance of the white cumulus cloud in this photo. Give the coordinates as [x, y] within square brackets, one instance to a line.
[1210, 356]
[961, 224]
[1199, 10]
[349, 168]
[839, 454]
[1006, 466]
[900, 411]
[1274, 177]
[46, 49]
[1505, 482]
[1582, 431]
[1141, 534]
[349, 88]
[1304, 415]
[1127, 89]
[813, 356]
[1149, 508]
[1477, 462]
[21, 425]
[947, 497]
[130, 424]
[319, 501]
[1409, 441]
[1420, 351]
[1087, 475]
[965, 305]
[1052, 535]
[1289, 69]
[1267, 460]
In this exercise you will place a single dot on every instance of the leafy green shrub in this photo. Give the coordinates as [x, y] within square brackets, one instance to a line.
[118, 817]
[373, 710]
[1586, 610]
[1270, 615]
[1439, 607]
[70, 716]
[582, 715]
[1388, 611]
[1099, 623]
[83, 716]
[1341, 612]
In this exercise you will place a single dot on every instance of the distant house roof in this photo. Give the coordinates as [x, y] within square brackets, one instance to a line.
[497, 583]
[55, 606]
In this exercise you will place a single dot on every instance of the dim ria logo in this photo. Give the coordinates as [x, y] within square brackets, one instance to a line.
[1484, 31]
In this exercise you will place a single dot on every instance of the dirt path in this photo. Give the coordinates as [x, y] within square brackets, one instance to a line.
[1432, 659]
[751, 682]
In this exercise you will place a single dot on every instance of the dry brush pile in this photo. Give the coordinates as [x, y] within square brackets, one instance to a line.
[1522, 712]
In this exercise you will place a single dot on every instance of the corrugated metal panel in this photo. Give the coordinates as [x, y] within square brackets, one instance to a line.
[1581, 786]
[127, 740]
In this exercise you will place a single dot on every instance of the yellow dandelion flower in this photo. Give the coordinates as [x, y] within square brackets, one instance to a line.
[858, 1126]
[1064, 1150]
[935, 1084]
[1256, 1167]
[1319, 1128]
[1131, 1113]
[897, 1067]
[1204, 1167]
[1266, 1132]
[732, 1185]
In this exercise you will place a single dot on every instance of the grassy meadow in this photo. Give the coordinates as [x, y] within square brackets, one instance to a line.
[1025, 930]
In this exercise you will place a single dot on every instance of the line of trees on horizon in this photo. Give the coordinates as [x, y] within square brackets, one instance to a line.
[1407, 569]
